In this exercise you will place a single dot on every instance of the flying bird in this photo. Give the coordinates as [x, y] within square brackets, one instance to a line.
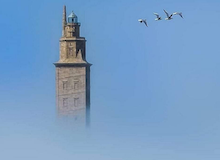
[178, 13]
[143, 20]
[158, 17]
[169, 17]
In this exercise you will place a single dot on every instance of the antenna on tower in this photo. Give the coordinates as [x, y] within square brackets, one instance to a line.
[64, 20]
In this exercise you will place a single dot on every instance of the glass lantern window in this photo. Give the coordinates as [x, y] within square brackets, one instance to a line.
[73, 20]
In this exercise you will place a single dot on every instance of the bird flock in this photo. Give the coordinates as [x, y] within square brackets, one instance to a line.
[169, 17]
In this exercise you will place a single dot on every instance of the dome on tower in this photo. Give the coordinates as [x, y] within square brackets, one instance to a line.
[72, 18]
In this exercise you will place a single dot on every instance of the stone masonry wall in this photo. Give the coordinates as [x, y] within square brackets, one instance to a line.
[71, 88]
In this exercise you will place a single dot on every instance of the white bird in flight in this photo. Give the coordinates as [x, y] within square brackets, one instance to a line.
[178, 13]
[158, 17]
[143, 20]
[169, 17]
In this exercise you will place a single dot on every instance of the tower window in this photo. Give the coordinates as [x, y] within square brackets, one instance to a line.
[71, 51]
[76, 85]
[65, 102]
[65, 86]
[73, 28]
[76, 102]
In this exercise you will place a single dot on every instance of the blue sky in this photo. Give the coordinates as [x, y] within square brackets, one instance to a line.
[154, 91]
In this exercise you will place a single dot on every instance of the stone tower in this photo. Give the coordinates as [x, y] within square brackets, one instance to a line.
[72, 71]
